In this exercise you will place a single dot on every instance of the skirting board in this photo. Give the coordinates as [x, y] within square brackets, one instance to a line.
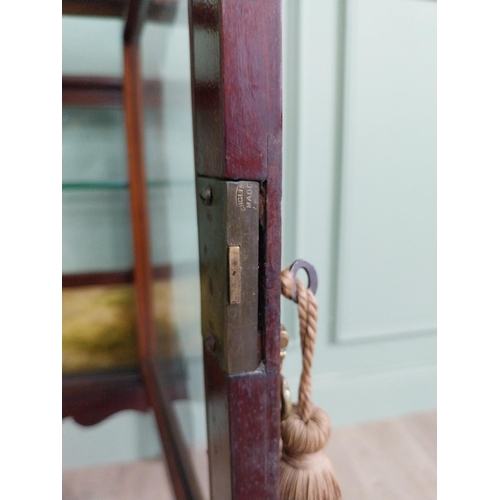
[361, 397]
[348, 398]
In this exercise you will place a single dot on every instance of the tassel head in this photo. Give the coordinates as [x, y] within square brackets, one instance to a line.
[305, 471]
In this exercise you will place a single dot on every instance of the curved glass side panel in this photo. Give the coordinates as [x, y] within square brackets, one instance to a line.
[98, 301]
[174, 230]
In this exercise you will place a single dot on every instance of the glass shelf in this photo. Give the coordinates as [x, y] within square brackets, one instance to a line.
[83, 186]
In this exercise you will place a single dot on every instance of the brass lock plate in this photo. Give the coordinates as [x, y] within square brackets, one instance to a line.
[228, 236]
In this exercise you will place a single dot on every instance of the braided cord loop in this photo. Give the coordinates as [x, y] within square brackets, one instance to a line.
[308, 317]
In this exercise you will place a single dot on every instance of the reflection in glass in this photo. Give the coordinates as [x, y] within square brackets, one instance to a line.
[98, 328]
[93, 144]
[98, 303]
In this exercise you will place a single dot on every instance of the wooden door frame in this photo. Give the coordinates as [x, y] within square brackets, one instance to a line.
[236, 89]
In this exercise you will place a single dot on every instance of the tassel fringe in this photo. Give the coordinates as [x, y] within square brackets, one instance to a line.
[305, 471]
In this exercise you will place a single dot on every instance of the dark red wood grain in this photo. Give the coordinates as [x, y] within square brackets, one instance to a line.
[251, 85]
[243, 442]
[92, 91]
[159, 10]
[97, 91]
[106, 8]
[236, 88]
[236, 74]
[254, 441]
[111, 277]
[270, 242]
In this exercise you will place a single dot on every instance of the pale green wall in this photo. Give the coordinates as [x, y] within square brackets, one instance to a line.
[360, 198]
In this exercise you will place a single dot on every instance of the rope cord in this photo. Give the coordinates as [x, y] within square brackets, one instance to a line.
[308, 318]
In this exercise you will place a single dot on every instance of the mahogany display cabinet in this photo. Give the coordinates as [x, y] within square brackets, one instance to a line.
[122, 280]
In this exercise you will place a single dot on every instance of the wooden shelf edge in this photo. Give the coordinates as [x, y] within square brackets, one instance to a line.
[159, 10]
[91, 397]
[71, 280]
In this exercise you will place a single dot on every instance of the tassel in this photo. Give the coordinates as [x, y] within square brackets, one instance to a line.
[305, 471]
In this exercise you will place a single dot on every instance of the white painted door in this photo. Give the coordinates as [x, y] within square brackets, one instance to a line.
[359, 199]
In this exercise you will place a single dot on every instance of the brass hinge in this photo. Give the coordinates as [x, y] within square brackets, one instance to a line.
[228, 236]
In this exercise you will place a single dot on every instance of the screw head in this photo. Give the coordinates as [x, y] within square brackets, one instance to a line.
[209, 342]
[206, 195]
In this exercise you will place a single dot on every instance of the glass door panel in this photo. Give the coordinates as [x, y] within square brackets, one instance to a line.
[174, 235]
[99, 321]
